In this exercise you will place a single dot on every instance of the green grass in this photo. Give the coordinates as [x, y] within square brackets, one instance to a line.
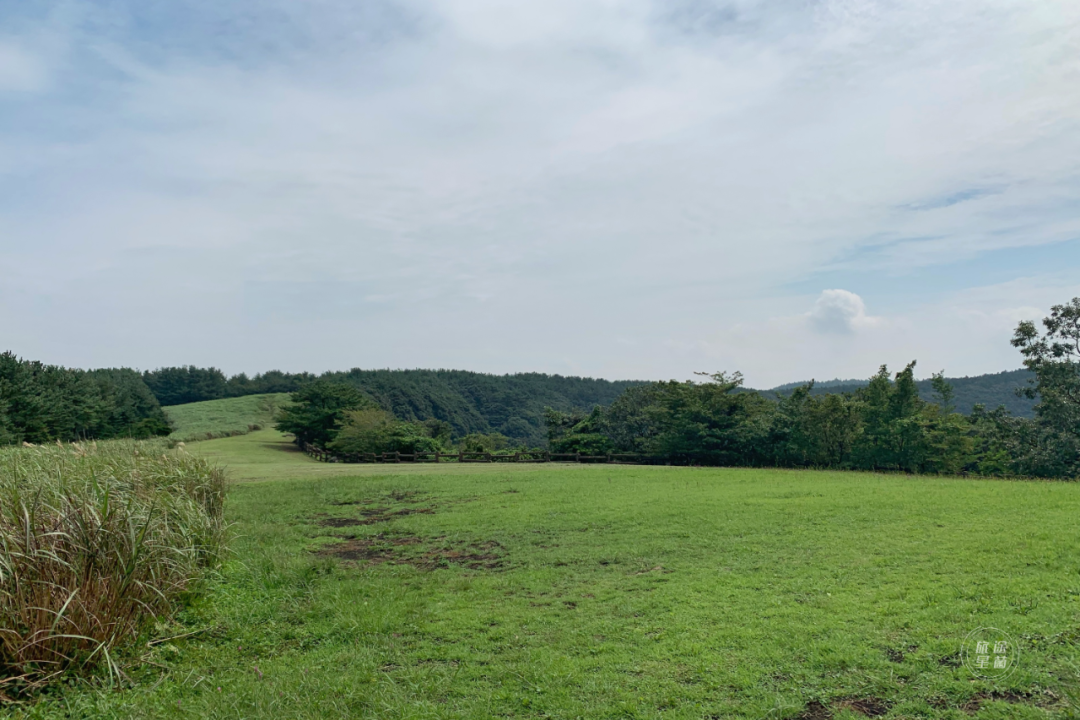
[224, 418]
[613, 592]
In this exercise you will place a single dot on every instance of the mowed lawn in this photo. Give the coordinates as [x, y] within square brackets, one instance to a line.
[554, 591]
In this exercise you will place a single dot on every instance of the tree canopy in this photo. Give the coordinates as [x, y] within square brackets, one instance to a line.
[42, 403]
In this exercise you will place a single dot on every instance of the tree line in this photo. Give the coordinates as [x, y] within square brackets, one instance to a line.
[511, 405]
[881, 425]
[471, 403]
[340, 418]
[42, 403]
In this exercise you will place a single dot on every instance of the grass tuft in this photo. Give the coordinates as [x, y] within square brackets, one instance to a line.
[94, 541]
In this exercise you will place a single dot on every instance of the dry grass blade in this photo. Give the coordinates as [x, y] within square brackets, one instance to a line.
[93, 541]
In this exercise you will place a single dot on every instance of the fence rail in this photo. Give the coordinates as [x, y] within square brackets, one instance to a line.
[537, 456]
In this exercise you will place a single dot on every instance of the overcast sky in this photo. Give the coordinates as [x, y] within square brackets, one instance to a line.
[636, 189]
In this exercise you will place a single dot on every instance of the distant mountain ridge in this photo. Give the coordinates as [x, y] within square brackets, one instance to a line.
[787, 387]
[990, 390]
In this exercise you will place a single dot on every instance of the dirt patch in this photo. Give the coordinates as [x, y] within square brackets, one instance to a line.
[815, 710]
[973, 705]
[415, 551]
[405, 495]
[867, 706]
[369, 551]
[371, 516]
[475, 556]
[401, 496]
[950, 660]
[340, 522]
[870, 707]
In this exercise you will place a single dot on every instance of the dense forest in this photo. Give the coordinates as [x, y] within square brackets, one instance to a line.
[183, 385]
[41, 403]
[470, 402]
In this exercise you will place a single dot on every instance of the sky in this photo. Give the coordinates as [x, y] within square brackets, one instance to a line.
[637, 189]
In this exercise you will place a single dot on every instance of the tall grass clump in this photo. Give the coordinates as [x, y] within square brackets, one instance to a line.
[94, 541]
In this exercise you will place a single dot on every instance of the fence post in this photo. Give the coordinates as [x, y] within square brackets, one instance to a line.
[437, 454]
[487, 457]
[577, 457]
[461, 456]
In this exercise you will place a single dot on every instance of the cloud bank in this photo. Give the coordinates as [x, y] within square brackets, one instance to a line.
[608, 188]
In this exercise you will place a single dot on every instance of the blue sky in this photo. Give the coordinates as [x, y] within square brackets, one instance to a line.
[633, 189]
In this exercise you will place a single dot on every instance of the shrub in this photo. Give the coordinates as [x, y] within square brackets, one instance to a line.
[377, 431]
[480, 442]
[94, 541]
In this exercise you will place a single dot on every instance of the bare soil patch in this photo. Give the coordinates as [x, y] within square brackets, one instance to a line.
[973, 705]
[368, 551]
[426, 554]
[400, 496]
[371, 516]
[867, 706]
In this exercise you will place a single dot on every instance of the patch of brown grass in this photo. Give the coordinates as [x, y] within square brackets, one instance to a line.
[94, 541]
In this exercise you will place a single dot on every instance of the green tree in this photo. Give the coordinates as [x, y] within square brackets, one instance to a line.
[816, 430]
[711, 423]
[1053, 355]
[483, 442]
[892, 435]
[318, 411]
[631, 421]
[577, 433]
[180, 385]
[42, 403]
[944, 392]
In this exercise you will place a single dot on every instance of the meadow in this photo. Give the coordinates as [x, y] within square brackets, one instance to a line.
[610, 591]
[223, 418]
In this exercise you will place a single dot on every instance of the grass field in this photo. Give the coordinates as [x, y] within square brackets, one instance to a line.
[549, 591]
[223, 418]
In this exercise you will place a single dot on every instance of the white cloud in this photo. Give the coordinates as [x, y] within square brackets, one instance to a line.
[965, 332]
[840, 311]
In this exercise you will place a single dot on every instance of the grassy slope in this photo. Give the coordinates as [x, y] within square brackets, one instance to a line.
[219, 418]
[638, 592]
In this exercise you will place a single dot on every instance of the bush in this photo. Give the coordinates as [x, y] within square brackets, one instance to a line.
[94, 541]
[377, 431]
[481, 442]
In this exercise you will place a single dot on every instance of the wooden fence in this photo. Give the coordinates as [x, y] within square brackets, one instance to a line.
[537, 456]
